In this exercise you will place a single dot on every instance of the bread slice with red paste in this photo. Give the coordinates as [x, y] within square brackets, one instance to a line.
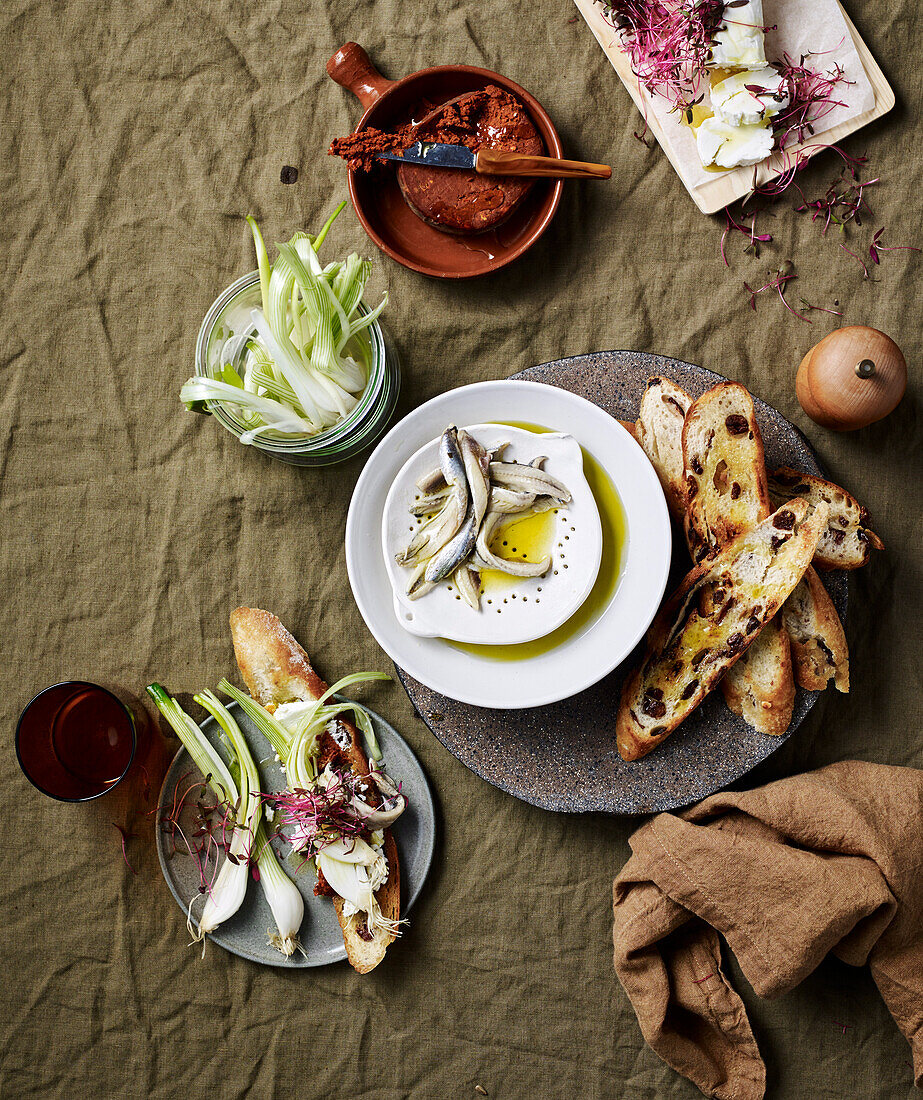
[277, 670]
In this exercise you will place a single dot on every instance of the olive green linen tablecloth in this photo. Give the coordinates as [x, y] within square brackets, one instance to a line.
[136, 137]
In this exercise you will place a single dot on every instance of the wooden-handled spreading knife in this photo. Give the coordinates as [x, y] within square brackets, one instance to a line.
[495, 162]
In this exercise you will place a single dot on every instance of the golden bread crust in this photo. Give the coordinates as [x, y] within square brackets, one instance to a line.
[724, 463]
[760, 687]
[274, 666]
[724, 468]
[848, 541]
[659, 431]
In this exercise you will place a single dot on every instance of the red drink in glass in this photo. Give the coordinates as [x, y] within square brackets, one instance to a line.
[76, 740]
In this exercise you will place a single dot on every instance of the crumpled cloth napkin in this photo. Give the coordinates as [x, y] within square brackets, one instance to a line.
[829, 861]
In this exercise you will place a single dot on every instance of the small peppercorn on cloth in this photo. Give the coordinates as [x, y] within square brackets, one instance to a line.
[828, 861]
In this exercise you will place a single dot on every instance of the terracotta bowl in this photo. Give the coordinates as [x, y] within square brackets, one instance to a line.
[377, 198]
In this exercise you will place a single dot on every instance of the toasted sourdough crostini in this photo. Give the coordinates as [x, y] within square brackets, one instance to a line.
[724, 473]
[848, 540]
[810, 617]
[277, 670]
[706, 625]
[659, 430]
[724, 468]
[818, 640]
[760, 687]
[819, 649]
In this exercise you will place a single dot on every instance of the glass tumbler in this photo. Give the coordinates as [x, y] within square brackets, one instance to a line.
[76, 741]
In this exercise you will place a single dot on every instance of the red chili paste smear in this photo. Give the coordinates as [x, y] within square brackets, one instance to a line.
[360, 150]
[452, 200]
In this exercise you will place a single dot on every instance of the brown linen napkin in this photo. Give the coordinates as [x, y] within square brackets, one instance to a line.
[827, 861]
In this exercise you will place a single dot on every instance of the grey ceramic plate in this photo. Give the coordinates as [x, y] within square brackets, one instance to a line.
[563, 757]
[245, 933]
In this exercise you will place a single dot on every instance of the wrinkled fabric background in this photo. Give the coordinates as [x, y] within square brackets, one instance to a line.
[136, 137]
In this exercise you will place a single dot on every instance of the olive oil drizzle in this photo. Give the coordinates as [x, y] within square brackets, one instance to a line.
[528, 539]
[615, 541]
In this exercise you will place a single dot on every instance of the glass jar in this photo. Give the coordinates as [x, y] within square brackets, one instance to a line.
[229, 317]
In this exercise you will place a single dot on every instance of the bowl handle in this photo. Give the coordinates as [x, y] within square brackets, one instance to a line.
[352, 68]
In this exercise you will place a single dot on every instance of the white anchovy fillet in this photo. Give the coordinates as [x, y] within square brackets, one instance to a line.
[430, 503]
[468, 584]
[489, 560]
[434, 482]
[449, 458]
[459, 549]
[528, 479]
[436, 533]
[454, 552]
[418, 585]
[451, 462]
[477, 467]
[509, 501]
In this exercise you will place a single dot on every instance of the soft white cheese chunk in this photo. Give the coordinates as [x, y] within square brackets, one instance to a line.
[356, 883]
[739, 44]
[732, 146]
[734, 104]
[289, 713]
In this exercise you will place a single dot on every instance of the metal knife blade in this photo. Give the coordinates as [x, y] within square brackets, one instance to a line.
[434, 154]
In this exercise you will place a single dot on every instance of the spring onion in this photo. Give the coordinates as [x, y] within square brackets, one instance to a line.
[300, 374]
[281, 893]
[248, 838]
[227, 892]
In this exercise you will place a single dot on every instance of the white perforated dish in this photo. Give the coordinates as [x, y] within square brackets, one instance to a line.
[517, 609]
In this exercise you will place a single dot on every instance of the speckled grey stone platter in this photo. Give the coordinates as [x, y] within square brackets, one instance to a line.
[245, 933]
[563, 756]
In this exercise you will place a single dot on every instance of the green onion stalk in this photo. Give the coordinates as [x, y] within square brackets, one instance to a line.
[248, 837]
[297, 749]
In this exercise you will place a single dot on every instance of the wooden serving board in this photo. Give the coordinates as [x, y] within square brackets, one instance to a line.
[728, 186]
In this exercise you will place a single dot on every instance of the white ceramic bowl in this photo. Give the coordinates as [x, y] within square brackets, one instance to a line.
[530, 607]
[603, 642]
